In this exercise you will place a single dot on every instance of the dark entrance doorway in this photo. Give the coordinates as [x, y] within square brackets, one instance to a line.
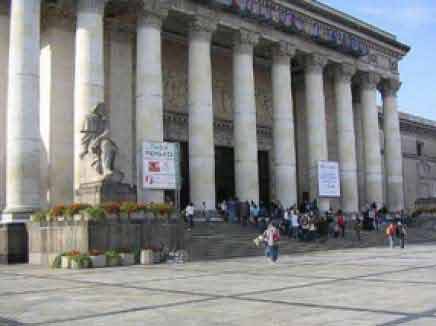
[264, 180]
[224, 173]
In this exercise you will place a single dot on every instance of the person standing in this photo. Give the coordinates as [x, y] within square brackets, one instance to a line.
[190, 211]
[403, 234]
[272, 238]
[357, 226]
[341, 223]
[390, 232]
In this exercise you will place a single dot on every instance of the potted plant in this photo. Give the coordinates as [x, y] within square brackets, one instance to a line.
[96, 214]
[112, 258]
[111, 209]
[67, 257]
[98, 258]
[74, 211]
[80, 261]
[147, 257]
[38, 217]
[127, 209]
[127, 258]
[56, 213]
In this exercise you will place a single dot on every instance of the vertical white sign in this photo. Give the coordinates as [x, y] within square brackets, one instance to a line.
[160, 165]
[329, 184]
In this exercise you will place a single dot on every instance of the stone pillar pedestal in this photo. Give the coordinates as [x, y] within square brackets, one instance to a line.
[244, 117]
[149, 102]
[283, 126]
[346, 138]
[88, 79]
[371, 138]
[201, 128]
[23, 142]
[393, 152]
[316, 124]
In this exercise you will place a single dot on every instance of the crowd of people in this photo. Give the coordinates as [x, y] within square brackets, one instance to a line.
[306, 223]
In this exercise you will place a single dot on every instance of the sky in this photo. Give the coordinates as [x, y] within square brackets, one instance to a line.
[414, 23]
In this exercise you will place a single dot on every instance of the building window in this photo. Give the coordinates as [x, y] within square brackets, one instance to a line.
[419, 148]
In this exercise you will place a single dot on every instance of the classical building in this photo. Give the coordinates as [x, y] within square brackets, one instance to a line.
[256, 91]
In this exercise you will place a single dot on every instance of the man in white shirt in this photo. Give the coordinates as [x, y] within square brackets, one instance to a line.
[294, 223]
[190, 211]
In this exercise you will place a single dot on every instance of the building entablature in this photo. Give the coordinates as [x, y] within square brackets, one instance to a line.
[274, 21]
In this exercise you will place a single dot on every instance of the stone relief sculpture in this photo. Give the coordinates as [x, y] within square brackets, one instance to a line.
[97, 143]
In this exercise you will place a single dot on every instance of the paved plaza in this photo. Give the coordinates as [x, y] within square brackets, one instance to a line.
[376, 286]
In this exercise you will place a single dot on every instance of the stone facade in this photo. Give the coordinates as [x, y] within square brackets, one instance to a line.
[209, 77]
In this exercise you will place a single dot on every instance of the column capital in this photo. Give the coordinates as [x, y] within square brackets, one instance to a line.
[389, 87]
[202, 28]
[369, 80]
[152, 13]
[282, 52]
[315, 62]
[91, 6]
[245, 40]
[344, 72]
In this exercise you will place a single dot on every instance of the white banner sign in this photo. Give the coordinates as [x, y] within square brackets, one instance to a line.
[329, 184]
[160, 165]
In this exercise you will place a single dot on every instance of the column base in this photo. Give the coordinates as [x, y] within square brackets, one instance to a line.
[14, 246]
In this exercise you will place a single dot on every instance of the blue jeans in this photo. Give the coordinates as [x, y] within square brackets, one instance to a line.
[272, 252]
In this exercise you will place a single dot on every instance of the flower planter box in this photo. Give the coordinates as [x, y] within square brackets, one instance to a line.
[147, 257]
[65, 262]
[98, 261]
[112, 261]
[127, 259]
[78, 217]
[137, 216]
[112, 216]
[75, 265]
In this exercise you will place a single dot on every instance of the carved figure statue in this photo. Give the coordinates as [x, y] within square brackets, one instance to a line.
[96, 141]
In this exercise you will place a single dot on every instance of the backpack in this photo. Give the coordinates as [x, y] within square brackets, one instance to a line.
[276, 236]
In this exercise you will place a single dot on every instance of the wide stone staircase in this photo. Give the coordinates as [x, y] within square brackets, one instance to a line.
[211, 241]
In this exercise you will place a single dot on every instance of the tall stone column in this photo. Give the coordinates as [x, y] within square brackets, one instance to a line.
[316, 122]
[244, 117]
[149, 90]
[371, 138]
[88, 78]
[23, 138]
[201, 126]
[4, 50]
[283, 125]
[57, 85]
[346, 138]
[393, 152]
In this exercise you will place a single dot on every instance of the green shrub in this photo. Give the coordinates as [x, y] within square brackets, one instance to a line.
[82, 261]
[39, 217]
[95, 213]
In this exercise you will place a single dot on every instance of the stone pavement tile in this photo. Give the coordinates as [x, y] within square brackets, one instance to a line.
[47, 307]
[134, 274]
[422, 275]
[227, 284]
[228, 312]
[25, 284]
[349, 295]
